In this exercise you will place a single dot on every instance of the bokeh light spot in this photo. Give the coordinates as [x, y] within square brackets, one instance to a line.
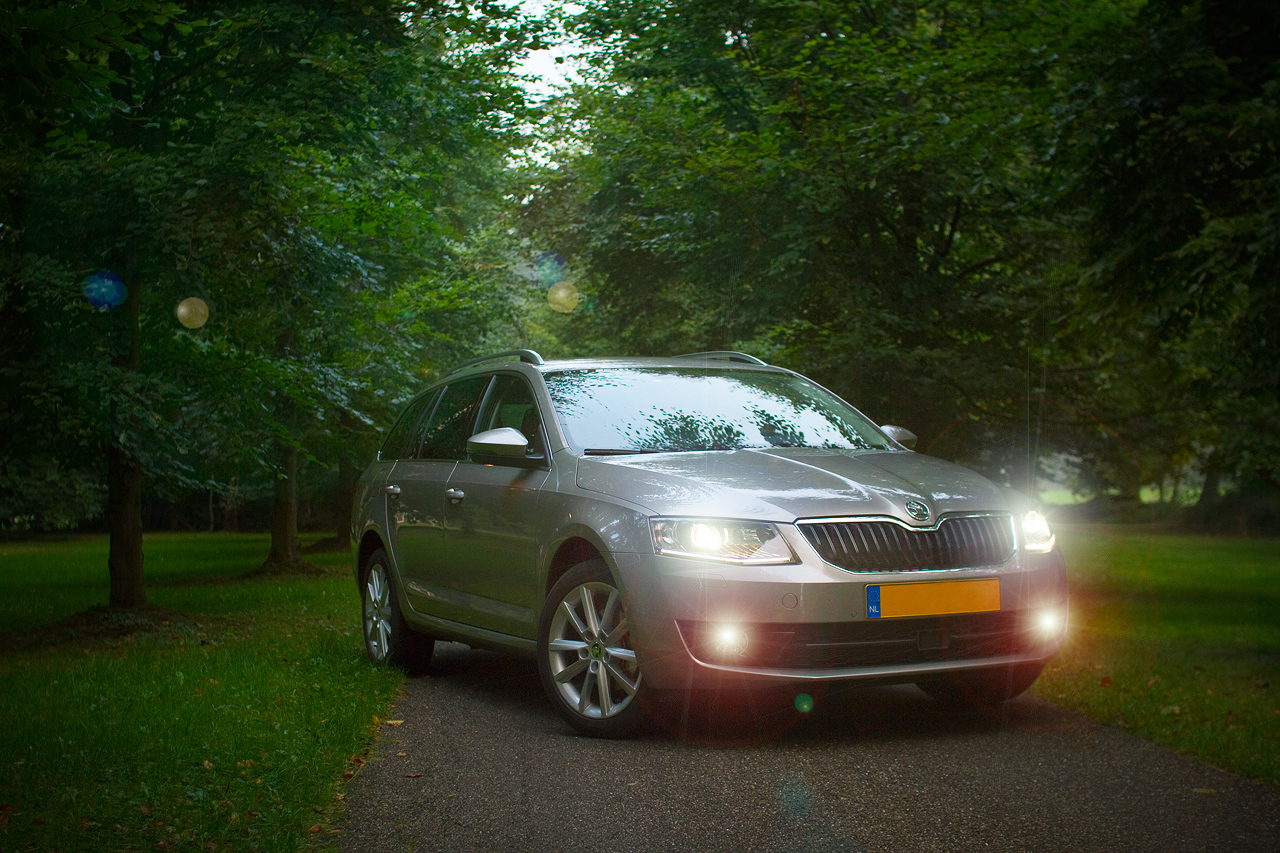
[562, 297]
[193, 312]
[104, 290]
[804, 703]
[548, 268]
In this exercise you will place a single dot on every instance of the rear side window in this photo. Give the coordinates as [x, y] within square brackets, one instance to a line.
[401, 441]
[450, 425]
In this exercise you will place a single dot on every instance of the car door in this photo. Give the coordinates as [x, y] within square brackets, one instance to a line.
[493, 518]
[418, 510]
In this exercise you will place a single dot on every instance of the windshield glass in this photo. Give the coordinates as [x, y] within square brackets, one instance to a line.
[676, 409]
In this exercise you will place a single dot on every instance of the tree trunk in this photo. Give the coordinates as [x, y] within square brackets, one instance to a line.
[284, 516]
[124, 519]
[346, 498]
[124, 474]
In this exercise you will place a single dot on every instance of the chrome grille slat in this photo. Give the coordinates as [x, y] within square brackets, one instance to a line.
[875, 545]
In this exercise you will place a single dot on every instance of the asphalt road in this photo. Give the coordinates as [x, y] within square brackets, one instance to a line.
[482, 762]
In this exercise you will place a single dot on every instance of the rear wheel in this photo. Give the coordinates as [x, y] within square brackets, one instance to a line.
[585, 657]
[388, 639]
[983, 688]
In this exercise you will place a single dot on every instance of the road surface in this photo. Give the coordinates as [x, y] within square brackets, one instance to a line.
[481, 762]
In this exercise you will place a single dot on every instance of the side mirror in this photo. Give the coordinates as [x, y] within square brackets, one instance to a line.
[902, 435]
[503, 446]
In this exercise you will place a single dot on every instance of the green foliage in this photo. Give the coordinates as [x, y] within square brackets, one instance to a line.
[856, 192]
[1167, 144]
[1019, 228]
[297, 167]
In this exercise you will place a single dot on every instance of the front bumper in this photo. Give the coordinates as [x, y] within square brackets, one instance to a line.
[703, 624]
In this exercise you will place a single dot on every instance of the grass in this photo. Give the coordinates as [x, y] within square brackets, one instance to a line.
[223, 717]
[226, 716]
[1176, 638]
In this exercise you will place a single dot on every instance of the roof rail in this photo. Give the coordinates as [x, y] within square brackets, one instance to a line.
[528, 356]
[723, 355]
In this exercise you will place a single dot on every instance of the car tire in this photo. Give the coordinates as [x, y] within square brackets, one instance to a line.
[585, 656]
[983, 688]
[388, 639]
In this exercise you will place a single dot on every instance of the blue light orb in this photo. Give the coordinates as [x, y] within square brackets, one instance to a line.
[548, 268]
[104, 290]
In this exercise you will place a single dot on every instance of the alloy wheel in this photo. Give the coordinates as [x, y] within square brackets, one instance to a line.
[589, 652]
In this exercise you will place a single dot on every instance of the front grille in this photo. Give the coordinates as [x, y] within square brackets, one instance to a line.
[959, 542]
[875, 642]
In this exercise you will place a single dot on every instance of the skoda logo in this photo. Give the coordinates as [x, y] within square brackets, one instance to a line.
[917, 510]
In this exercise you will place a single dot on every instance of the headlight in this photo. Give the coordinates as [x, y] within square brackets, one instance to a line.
[1036, 535]
[752, 543]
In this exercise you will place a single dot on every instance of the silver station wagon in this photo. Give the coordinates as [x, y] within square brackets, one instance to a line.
[645, 526]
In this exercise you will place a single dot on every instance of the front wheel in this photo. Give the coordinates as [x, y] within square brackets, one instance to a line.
[388, 639]
[585, 657]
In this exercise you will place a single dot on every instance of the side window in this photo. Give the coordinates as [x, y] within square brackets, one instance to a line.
[400, 442]
[450, 426]
[510, 404]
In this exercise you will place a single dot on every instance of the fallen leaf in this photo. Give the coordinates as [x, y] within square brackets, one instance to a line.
[315, 828]
[1106, 681]
[207, 764]
[395, 722]
[210, 846]
[347, 775]
[413, 775]
[144, 809]
[1170, 709]
[402, 754]
[334, 831]
[1152, 681]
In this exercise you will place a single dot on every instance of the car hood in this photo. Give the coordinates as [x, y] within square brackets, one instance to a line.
[790, 483]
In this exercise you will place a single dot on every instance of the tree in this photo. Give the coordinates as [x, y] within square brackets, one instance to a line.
[284, 162]
[857, 191]
[1168, 128]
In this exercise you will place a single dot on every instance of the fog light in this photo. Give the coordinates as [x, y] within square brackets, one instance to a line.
[1051, 623]
[729, 640]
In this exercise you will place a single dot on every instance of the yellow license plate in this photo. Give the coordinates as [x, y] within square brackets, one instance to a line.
[932, 598]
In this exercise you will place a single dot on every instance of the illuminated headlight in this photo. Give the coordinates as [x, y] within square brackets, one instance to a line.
[1036, 535]
[751, 543]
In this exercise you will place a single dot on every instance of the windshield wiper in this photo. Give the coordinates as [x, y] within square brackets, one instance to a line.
[616, 451]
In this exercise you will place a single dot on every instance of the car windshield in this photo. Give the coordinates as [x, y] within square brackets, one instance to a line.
[637, 410]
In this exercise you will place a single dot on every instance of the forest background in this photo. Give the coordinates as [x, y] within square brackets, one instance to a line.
[1043, 236]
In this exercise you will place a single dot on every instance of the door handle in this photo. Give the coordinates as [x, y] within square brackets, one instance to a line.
[455, 495]
[391, 490]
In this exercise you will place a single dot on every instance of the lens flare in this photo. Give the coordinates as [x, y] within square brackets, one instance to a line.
[104, 290]
[804, 703]
[193, 312]
[562, 297]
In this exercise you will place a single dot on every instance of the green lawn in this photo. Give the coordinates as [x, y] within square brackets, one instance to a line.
[226, 722]
[1176, 638]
